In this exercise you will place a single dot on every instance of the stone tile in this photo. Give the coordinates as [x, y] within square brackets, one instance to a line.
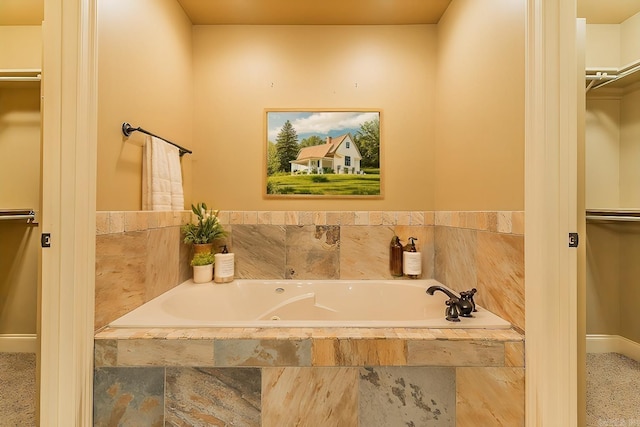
[455, 252]
[403, 218]
[250, 217]
[185, 271]
[361, 218]
[323, 397]
[202, 397]
[250, 352]
[292, 218]
[417, 218]
[514, 354]
[128, 397]
[149, 352]
[389, 218]
[517, 222]
[102, 223]
[364, 252]
[312, 252]
[455, 353]
[120, 274]
[264, 217]
[278, 218]
[490, 397]
[487, 221]
[500, 272]
[105, 353]
[504, 222]
[375, 218]
[359, 352]
[259, 251]
[116, 222]
[395, 396]
[163, 257]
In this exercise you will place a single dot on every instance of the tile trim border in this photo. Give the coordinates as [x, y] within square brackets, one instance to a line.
[504, 222]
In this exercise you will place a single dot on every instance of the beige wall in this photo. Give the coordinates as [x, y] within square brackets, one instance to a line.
[238, 71]
[630, 40]
[603, 45]
[602, 153]
[144, 69]
[630, 149]
[480, 106]
[21, 47]
[19, 181]
[613, 45]
[241, 70]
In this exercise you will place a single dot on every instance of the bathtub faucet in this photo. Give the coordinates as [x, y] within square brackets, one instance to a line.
[462, 305]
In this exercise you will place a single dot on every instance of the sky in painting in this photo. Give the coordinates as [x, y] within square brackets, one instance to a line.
[322, 124]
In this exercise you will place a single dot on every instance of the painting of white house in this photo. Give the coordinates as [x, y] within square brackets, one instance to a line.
[323, 153]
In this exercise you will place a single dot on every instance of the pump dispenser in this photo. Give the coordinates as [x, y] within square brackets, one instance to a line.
[395, 257]
[412, 260]
[224, 266]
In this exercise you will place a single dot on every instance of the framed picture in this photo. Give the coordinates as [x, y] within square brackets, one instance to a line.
[323, 153]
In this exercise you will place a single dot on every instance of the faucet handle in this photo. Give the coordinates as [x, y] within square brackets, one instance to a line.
[451, 312]
[468, 295]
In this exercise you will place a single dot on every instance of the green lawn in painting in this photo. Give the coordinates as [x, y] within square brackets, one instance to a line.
[324, 185]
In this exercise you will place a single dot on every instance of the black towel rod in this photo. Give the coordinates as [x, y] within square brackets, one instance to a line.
[127, 130]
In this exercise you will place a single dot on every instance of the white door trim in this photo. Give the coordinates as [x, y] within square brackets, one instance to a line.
[551, 213]
[66, 295]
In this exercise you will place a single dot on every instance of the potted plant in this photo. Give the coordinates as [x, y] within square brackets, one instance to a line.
[205, 230]
[202, 264]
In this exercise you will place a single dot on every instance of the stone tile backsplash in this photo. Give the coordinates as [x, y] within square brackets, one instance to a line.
[140, 255]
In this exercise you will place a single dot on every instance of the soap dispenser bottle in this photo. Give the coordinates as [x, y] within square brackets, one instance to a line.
[412, 260]
[224, 266]
[395, 257]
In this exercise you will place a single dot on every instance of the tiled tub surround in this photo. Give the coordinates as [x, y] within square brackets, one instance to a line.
[309, 377]
[140, 254]
[345, 377]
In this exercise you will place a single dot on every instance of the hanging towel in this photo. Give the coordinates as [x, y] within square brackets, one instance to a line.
[162, 176]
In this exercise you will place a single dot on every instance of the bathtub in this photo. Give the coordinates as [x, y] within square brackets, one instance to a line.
[303, 303]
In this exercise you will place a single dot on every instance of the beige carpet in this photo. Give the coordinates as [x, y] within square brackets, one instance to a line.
[613, 390]
[17, 389]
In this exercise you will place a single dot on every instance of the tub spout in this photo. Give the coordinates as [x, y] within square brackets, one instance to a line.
[450, 294]
[463, 305]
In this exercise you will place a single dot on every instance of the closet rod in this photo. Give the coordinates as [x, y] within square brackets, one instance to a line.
[19, 79]
[9, 214]
[127, 130]
[613, 215]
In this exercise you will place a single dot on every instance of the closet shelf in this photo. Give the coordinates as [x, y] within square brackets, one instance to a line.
[619, 78]
[619, 215]
[18, 214]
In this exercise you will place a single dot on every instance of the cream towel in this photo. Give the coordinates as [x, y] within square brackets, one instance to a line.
[162, 177]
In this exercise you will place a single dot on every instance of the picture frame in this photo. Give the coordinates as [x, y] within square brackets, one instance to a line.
[331, 153]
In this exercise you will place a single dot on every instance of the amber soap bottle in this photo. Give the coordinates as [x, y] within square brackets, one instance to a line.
[395, 257]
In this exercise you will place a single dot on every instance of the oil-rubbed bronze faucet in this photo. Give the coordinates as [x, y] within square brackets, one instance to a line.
[462, 305]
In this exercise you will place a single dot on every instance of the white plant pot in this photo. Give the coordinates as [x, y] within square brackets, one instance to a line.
[202, 273]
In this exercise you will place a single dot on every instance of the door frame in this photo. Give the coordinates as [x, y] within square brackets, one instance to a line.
[68, 213]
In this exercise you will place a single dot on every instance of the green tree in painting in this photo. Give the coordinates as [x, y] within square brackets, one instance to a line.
[273, 163]
[368, 141]
[311, 141]
[286, 146]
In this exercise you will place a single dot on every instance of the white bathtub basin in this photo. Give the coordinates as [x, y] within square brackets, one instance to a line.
[303, 303]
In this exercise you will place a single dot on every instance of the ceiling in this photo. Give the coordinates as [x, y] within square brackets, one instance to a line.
[607, 11]
[310, 12]
[314, 12]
